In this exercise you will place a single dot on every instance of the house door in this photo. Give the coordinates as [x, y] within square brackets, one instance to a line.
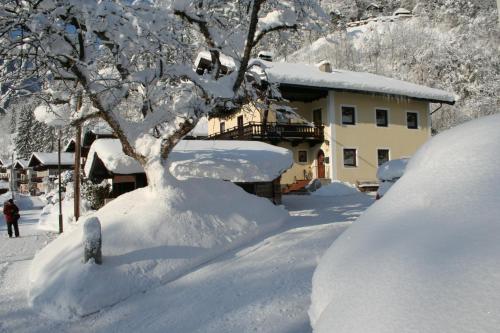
[321, 164]
[240, 125]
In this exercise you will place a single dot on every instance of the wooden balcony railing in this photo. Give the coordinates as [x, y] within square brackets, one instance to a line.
[272, 132]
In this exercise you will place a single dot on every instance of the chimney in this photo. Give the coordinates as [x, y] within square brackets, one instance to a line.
[325, 66]
[265, 55]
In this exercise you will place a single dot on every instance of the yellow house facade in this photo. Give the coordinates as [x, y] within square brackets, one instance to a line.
[339, 125]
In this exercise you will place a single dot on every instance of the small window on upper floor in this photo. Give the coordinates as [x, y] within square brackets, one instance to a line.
[348, 115]
[412, 120]
[382, 117]
[222, 127]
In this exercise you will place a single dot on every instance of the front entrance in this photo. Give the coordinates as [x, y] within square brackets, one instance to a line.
[321, 164]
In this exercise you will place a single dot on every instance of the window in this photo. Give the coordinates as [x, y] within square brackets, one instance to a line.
[302, 156]
[382, 118]
[240, 121]
[412, 120]
[348, 115]
[222, 127]
[350, 159]
[317, 117]
[383, 156]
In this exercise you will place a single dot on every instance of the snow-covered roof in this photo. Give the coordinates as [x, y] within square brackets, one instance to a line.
[224, 60]
[402, 11]
[69, 145]
[236, 161]
[21, 163]
[47, 159]
[300, 74]
[201, 129]
[110, 152]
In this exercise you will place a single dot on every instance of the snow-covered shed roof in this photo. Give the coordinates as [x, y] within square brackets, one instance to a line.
[224, 59]
[299, 74]
[236, 161]
[51, 159]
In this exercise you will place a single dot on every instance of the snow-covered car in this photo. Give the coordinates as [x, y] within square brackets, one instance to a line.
[388, 173]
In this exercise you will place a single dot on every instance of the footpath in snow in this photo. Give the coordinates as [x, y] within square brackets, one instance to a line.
[262, 287]
[15, 258]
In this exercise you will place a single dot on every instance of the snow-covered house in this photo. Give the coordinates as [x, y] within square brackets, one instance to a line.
[254, 166]
[340, 125]
[21, 175]
[4, 173]
[45, 169]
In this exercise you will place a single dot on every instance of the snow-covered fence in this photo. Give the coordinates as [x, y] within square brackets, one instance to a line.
[92, 240]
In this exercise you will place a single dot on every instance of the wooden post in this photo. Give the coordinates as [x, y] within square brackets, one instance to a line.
[59, 173]
[78, 158]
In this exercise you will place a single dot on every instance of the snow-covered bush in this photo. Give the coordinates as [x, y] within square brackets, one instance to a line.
[95, 194]
[426, 258]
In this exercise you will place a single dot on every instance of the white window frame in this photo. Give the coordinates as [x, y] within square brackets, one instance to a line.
[388, 116]
[356, 158]
[382, 148]
[355, 114]
[418, 120]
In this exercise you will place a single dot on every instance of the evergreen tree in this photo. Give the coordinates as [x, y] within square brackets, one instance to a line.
[24, 141]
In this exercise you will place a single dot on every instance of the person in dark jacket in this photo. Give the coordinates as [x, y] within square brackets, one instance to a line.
[11, 213]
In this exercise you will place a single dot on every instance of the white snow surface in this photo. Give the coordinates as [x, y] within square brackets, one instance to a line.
[425, 258]
[149, 238]
[52, 158]
[4, 184]
[392, 169]
[336, 188]
[264, 286]
[309, 75]
[236, 161]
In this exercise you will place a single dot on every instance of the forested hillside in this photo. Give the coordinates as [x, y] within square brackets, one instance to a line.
[447, 44]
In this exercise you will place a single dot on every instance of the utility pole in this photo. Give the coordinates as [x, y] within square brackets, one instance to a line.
[59, 172]
[12, 177]
[78, 158]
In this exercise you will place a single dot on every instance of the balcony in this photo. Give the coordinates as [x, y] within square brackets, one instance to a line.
[272, 132]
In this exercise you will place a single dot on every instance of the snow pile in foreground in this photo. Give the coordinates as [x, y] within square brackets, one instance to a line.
[392, 169]
[336, 188]
[149, 238]
[425, 258]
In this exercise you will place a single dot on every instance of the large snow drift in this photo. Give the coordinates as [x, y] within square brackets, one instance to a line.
[426, 257]
[149, 238]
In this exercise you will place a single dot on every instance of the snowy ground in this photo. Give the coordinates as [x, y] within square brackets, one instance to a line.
[262, 287]
[15, 257]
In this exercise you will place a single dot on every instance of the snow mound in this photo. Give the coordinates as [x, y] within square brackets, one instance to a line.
[336, 188]
[148, 238]
[392, 169]
[427, 257]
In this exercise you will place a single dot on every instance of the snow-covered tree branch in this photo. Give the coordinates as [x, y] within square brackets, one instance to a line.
[132, 61]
